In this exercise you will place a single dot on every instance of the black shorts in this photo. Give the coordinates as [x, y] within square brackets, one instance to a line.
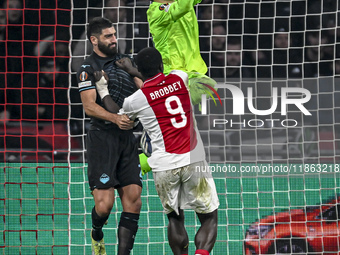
[112, 157]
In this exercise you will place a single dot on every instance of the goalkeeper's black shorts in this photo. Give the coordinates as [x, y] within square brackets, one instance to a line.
[112, 157]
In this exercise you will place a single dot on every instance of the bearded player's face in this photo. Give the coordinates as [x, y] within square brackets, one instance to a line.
[107, 42]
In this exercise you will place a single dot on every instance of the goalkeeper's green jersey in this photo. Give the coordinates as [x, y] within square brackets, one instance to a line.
[174, 29]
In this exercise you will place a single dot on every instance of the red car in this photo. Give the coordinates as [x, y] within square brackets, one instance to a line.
[312, 230]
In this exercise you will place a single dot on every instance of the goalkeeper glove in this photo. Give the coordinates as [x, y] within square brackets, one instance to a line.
[143, 161]
[101, 83]
[201, 84]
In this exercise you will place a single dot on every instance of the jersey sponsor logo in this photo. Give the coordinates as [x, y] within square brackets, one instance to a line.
[164, 7]
[84, 84]
[104, 178]
[165, 90]
[83, 76]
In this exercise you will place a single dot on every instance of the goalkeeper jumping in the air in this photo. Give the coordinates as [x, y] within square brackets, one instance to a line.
[174, 29]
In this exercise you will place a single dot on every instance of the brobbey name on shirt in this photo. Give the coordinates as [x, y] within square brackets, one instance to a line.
[166, 90]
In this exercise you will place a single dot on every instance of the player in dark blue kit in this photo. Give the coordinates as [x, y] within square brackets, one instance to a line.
[112, 155]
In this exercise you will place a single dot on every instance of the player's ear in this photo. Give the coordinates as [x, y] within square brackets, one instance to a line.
[94, 40]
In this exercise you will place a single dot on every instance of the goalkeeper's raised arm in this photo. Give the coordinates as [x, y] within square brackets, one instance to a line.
[174, 29]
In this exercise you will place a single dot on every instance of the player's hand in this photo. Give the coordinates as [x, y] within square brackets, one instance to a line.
[99, 74]
[123, 122]
[126, 65]
[143, 161]
[101, 79]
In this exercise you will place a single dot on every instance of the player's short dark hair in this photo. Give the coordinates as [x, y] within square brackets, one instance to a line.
[96, 26]
[149, 61]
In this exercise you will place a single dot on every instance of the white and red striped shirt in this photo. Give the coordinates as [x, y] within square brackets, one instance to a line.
[164, 108]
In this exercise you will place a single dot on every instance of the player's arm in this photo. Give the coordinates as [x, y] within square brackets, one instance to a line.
[139, 82]
[181, 7]
[131, 110]
[88, 98]
[88, 95]
[127, 66]
[128, 107]
[160, 18]
[101, 80]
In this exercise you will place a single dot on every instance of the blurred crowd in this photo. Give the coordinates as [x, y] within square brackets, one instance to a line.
[238, 40]
[34, 55]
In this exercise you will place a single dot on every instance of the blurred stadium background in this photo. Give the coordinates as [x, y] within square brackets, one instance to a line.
[45, 202]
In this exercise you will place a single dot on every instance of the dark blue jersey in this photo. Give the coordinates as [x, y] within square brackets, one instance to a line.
[120, 85]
